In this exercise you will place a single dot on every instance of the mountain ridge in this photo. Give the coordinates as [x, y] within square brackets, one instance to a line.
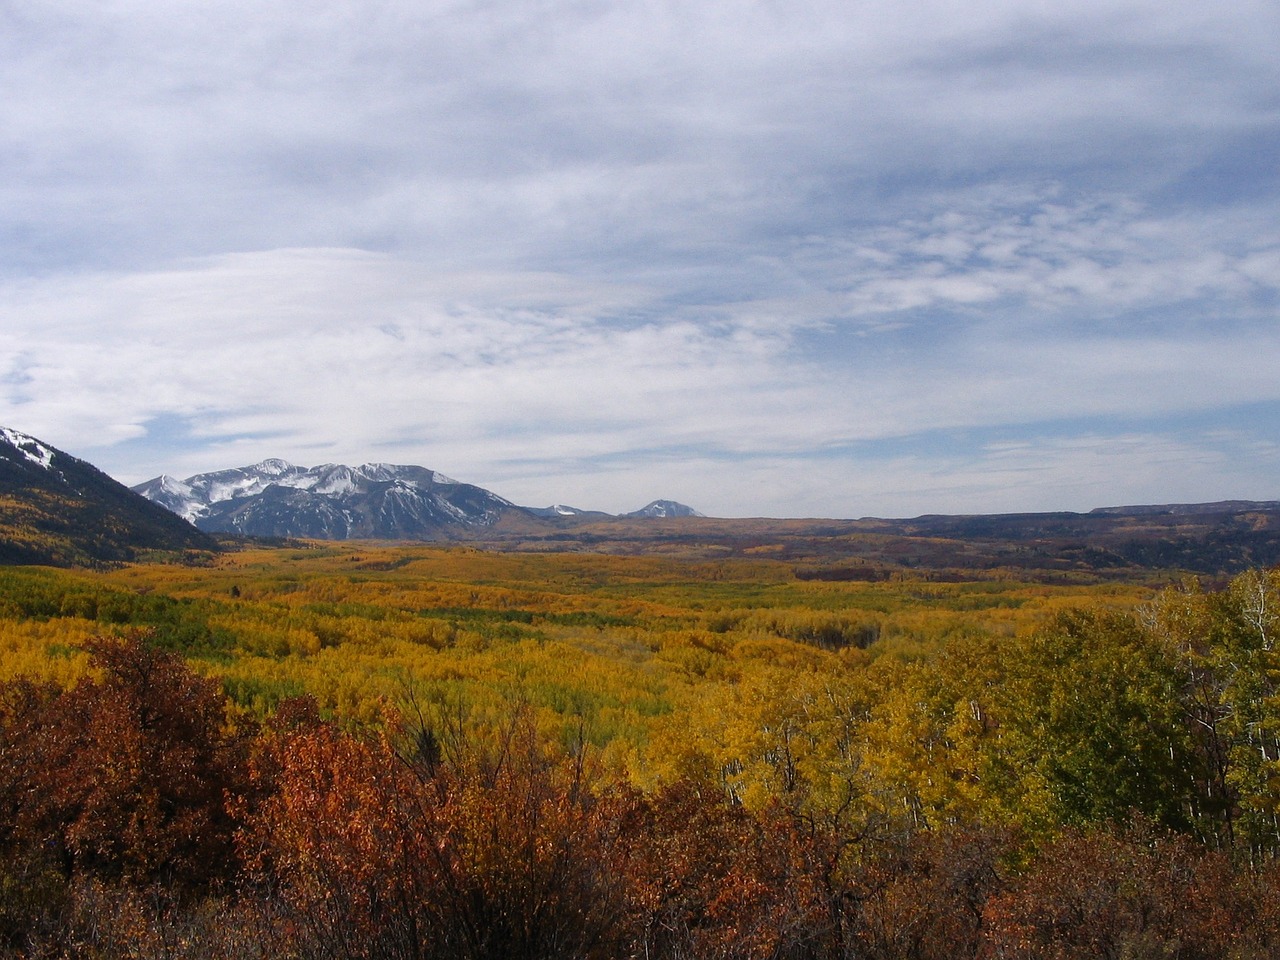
[333, 501]
[59, 510]
[1208, 538]
[56, 509]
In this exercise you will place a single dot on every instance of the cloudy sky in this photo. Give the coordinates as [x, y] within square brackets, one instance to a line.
[803, 258]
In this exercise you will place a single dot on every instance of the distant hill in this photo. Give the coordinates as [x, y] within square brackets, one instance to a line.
[1219, 507]
[1124, 543]
[662, 509]
[558, 511]
[58, 510]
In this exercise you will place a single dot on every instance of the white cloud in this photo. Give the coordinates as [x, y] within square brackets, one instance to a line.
[344, 355]
[611, 244]
[1079, 474]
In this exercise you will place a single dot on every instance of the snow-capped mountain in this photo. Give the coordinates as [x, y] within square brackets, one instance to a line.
[560, 510]
[276, 498]
[57, 509]
[26, 448]
[662, 509]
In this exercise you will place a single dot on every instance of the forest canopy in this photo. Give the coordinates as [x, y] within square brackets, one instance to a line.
[362, 751]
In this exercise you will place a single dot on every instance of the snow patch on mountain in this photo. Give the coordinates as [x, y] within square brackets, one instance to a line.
[174, 495]
[337, 481]
[662, 509]
[31, 448]
[331, 501]
[274, 467]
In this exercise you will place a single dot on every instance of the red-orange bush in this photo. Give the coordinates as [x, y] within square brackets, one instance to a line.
[1114, 894]
[363, 854]
[124, 777]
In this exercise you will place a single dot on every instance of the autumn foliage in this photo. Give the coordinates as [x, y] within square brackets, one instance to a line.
[630, 768]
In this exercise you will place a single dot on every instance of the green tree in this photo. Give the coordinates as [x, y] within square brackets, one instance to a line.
[1091, 725]
[1226, 645]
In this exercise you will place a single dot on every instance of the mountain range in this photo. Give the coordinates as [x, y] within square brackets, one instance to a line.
[56, 509]
[380, 501]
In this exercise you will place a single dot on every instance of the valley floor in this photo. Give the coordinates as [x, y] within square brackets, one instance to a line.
[363, 750]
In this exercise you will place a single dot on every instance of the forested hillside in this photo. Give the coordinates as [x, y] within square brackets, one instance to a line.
[363, 751]
[57, 509]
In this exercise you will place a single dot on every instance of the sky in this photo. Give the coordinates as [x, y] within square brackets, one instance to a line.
[787, 259]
